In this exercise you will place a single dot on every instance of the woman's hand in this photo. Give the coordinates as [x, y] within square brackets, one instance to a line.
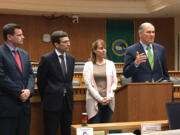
[105, 101]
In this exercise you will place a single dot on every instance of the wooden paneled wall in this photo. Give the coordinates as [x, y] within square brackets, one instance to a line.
[82, 34]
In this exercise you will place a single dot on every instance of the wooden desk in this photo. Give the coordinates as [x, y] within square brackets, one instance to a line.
[142, 101]
[124, 126]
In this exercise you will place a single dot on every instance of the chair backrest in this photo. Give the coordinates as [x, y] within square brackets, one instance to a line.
[78, 68]
[175, 80]
[124, 80]
[76, 83]
[173, 112]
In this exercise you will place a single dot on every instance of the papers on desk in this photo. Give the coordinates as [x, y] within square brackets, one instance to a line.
[99, 133]
[150, 128]
[168, 132]
[84, 131]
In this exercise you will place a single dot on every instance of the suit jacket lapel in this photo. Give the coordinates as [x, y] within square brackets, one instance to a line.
[67, 64]
[11, 57]
[57, 64]
[155, 52]
[140, 49]
[146, 64]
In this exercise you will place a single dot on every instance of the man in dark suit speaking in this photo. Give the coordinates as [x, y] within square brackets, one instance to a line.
[55, 74]
[16, 83]
[145, 61]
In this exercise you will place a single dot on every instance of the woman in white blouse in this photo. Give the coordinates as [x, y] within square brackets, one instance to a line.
[101, 80]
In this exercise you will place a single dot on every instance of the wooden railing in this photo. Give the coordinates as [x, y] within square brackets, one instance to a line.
[119, 66]
[173, 73]
[176, 93]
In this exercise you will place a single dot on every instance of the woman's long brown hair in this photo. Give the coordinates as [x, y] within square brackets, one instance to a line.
[94, 47]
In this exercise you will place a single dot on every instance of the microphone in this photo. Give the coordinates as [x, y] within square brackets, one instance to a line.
[161, 79]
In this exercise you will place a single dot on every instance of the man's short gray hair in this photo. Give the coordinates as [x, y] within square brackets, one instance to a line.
[143, 25]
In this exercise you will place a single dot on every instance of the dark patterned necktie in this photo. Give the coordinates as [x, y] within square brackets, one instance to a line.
[63, 64]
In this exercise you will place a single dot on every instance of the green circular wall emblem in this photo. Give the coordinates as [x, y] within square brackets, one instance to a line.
[119, 47]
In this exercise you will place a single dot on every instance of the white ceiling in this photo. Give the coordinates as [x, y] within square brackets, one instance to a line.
[93, 8]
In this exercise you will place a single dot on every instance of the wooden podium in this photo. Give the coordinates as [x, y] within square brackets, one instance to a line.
[142, 101]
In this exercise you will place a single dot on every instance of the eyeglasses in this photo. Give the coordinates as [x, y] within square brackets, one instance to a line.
[65, 42]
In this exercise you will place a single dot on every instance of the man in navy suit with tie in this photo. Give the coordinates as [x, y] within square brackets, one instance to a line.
[54, 79]
[16, 83]
[145, 61]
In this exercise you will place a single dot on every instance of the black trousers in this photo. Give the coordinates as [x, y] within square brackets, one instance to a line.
[52, 120]
[104, 115]
[15, 125]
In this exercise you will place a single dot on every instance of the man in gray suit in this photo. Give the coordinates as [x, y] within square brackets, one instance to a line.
[16, 83]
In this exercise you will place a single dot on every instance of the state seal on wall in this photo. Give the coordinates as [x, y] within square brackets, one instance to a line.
[119, 47]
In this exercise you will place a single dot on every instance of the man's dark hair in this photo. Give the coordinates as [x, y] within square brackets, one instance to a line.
[55, 36]
[9, 29]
